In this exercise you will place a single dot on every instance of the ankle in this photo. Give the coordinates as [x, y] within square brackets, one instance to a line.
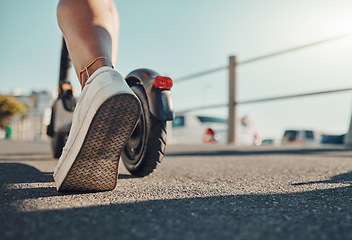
[92, 67]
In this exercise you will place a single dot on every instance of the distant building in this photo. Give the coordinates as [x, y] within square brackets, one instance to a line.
[32, 125]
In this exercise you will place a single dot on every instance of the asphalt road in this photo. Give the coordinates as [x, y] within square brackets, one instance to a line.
[198, 192]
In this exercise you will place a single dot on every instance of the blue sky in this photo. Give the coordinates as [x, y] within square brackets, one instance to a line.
[178, 38]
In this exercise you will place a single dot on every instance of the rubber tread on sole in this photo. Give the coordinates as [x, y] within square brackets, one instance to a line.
[96, 165]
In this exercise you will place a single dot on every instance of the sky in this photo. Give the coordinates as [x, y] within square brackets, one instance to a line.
[179, 38]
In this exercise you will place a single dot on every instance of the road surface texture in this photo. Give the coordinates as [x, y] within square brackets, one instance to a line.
[198, 192]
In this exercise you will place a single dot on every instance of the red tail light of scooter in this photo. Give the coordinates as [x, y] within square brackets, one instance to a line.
[162, 83]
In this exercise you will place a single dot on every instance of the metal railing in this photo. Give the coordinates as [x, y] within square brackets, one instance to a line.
[233, 89]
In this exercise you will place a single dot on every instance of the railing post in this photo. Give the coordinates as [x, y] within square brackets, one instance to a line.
[348, 138]
[232, 118]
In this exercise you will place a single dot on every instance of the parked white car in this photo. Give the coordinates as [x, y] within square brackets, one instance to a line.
[189, 128]
[301, 137]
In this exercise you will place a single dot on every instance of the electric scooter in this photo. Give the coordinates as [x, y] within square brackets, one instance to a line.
[145, 148]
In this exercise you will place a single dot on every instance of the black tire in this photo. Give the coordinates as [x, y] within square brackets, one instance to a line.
[145, 149]
[57, 143]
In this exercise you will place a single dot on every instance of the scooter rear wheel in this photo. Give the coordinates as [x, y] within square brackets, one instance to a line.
[145, 149]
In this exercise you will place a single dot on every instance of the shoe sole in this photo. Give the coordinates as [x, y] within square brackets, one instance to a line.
[96, 165]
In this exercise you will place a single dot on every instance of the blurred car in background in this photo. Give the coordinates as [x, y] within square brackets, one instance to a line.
[301, 137]
[333, 139]
[269, 142]
[189, 128]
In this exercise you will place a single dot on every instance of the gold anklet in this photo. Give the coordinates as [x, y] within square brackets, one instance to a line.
[85, 69]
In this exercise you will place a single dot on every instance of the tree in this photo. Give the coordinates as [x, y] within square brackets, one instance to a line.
[9, 106]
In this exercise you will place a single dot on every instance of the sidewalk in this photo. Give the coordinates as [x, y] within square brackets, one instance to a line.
[198, 192]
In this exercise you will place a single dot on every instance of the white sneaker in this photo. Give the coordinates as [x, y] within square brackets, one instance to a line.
[105, 116]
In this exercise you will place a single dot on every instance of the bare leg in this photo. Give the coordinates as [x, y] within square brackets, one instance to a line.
[90, 28]
[108, 109]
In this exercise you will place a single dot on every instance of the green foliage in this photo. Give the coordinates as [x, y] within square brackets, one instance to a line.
[9, 106]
